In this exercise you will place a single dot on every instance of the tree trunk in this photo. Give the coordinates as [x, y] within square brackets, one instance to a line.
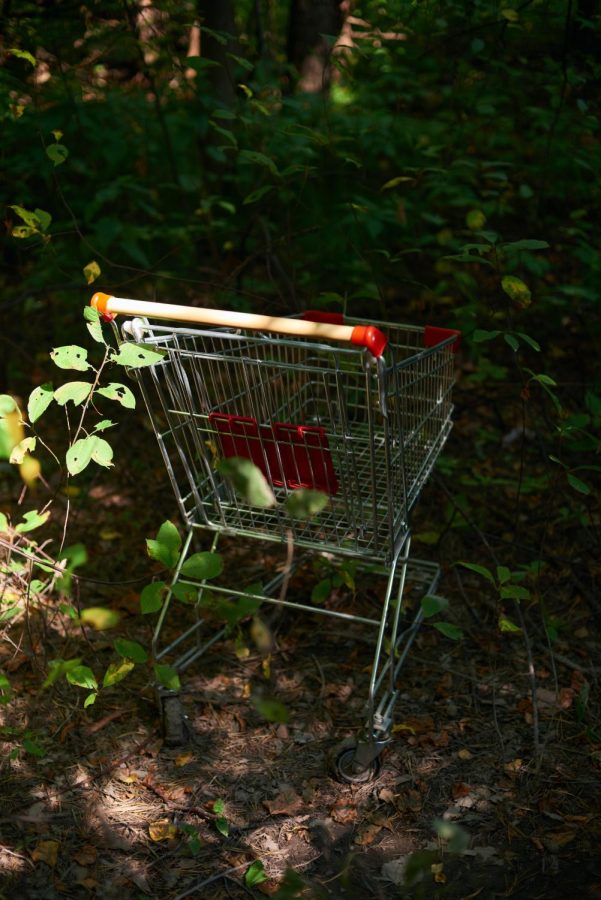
[308, 49]
[218, 15]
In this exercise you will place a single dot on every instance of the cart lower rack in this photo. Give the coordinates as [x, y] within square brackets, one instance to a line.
[357, 412]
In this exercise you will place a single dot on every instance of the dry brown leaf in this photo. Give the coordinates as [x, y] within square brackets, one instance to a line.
[514, 766]
[386, 795]
[184, 758]
[558, 838]
[128, 777]
[439, 875]
[344, 812]
[47, 852]
[285, 804]
[460, 790]
[464, 754]
[86, 855]
[162, 830]
[89, 883]
[370, 830]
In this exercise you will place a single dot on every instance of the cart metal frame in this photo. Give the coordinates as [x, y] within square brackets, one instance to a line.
[358, 412]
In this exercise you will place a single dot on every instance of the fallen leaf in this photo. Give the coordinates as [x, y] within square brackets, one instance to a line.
[285, 804]
[86, 855]
[460, 790]
[514, 766]
[464, 754]
[555, 839]
[344, 812]
[162, 830]
[439, 875]
[370, 830]
[47, 852]
[386, 795]
[184, 758]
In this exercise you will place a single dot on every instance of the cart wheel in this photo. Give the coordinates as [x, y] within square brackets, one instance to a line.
[347, 771]
[174, 726]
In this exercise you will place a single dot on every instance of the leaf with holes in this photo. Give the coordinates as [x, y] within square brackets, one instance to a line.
[247, 480]
[118, 392]
[76, 391]
[70, 357]
[39, 401]
[202, 565]
[27, 445]
[79, 455]
[57, 154]
[117, 671]
[131, 650]
[136, 356]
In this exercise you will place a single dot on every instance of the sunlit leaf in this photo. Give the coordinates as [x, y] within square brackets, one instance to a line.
[117, 671]
[59, 667]
[119, 392]
[57, 153]
[93, 324]
[79, 455]
[90, 699]
[162, 830]
[100, 617]
[70, 357]
[516, 290]
[76, 391]
[102, 452]
[91, 271]
[27, 445]
[136, 356]
[4, 526]
[82, 676]
[506, 624]
[23, 54]
[255, 874]
[39, 401]
[32, 520]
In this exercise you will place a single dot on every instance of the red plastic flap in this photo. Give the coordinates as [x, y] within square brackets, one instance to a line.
[294, 455]
[434, 336]
[328, 318]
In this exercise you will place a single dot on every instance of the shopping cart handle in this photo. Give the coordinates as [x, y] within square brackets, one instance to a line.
[367, 336]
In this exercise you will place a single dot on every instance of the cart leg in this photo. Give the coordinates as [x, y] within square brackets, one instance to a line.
[358, 759]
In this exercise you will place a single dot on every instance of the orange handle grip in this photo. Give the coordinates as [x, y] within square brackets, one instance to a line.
[367, 336]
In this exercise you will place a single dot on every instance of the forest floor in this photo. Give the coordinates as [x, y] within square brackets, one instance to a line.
[111, 811]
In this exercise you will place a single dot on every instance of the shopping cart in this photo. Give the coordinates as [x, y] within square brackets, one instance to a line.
[358, 412]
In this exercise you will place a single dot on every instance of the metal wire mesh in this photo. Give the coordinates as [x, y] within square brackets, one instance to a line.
[367, 430]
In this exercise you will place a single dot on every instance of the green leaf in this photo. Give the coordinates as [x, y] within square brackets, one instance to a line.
[32, 520]
[90, 699]
[202, 565]
[578, 485]
[475, 220]
[117, 671]
[131, 650]
[272, 710]
[248, 481]
[44, 218]
[167, 545]
[103, 425]
[449, 630]
[456, 837]
[151, 598]
[219, 806]
[76, 391]
[479, 335]
[27, 445]
[79, 454]
[23, 54]
[136, 356]
[119, 392]
[102, 452]
[39, 401]
[528, 340]
[91, 271]
[480, 570]
[305, 503]
[527, 244]
[506, 624]
[222, 826]
[94, 325]
[503, 574]
[4, 526]
[32, 747]
[70, 357]
[514, 592]
[545, 380]
[168, 677]
[255, 874]
[321, 591]
[30, 218]
[185, 593]
[8, 405]
[512, 341]
[432, 604]
[100, 617]
[256, 195]
[260, 159]
[57, 153]
[59, 667]
[82, 676]
[516, 290]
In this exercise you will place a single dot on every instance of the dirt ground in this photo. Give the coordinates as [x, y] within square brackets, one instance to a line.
[465, 805]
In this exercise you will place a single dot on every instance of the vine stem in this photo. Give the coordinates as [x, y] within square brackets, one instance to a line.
[89, 397]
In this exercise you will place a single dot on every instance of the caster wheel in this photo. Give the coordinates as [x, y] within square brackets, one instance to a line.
[175, 732]
[347, 771]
